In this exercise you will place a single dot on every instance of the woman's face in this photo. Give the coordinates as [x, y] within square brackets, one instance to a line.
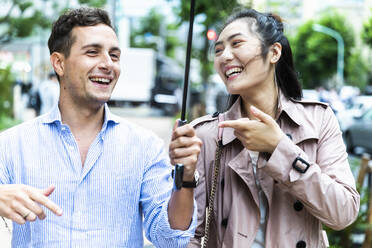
[238, 59]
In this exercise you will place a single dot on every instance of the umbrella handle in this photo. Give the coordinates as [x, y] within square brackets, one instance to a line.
[178, 176]
[178, 168]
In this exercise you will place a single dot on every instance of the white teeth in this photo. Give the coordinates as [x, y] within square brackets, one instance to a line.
[233, 70]
[103, 80]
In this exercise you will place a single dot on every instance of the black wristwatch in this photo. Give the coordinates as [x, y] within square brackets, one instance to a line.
[193, 183]
[177, 174]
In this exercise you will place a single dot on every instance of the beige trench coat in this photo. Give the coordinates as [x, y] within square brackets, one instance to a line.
[298, 203]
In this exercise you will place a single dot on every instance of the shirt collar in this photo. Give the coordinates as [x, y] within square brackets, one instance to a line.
[109, 117]
[54, 116]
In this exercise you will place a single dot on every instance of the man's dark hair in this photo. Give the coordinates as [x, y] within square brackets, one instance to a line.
[61, 40]
[51, 75]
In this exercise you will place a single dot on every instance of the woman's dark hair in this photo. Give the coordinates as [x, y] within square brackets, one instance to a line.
[61, 40]
[269, 28]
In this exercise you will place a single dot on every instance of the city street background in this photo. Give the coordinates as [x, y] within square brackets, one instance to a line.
[331, 42]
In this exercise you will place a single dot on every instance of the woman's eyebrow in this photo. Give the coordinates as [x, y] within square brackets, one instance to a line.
[228, 39]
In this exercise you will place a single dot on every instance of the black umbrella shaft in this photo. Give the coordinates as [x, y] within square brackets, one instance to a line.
[187, 63]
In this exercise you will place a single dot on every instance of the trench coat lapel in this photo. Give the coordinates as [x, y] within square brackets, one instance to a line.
[240, 164]
[244, 170]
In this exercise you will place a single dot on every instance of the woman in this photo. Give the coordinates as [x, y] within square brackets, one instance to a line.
[279, 162]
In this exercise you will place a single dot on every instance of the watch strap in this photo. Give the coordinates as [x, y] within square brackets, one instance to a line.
[189, 184]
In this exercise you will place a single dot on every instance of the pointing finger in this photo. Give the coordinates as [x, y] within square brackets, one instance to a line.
[45, 201]
[261, 115]
[236, 124]
[49, 190]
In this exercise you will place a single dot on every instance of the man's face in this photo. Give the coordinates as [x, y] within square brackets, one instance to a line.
[92, 69]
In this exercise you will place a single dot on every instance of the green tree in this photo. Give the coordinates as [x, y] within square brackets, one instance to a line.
[357, 70]
[150, 32]
[367, 32]
[23, 17]
[315, 54]
[6, 79]
[213, 13]
[367, 39]
[6, 98]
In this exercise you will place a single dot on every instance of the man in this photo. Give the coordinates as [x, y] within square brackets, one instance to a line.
[80, 176]
[49, 93]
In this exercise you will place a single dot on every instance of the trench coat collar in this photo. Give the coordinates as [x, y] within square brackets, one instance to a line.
[233, 113]
[303, 120]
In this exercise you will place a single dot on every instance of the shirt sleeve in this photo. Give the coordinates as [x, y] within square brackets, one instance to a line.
[5, 177]
[156, 189]
[327, 188]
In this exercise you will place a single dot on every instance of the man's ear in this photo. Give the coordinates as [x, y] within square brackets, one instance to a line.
[58, 63]
[275, 52]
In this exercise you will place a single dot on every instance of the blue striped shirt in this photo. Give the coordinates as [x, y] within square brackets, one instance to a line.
[125, 179]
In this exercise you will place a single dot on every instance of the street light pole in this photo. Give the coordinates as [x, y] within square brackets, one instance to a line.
[340, 49]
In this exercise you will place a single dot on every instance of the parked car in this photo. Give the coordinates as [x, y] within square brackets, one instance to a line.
[359, 105]
[359, 134]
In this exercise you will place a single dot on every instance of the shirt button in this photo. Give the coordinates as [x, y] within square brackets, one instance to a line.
[298, 206]
[301, 244]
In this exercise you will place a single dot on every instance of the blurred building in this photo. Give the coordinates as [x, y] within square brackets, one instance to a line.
[296, 12]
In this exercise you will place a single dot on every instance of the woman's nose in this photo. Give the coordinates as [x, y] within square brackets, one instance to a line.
[227, 54]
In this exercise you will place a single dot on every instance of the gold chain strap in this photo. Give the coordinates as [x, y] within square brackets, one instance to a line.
[213, 193]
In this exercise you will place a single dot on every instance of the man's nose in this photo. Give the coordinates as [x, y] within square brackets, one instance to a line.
[106, 62]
